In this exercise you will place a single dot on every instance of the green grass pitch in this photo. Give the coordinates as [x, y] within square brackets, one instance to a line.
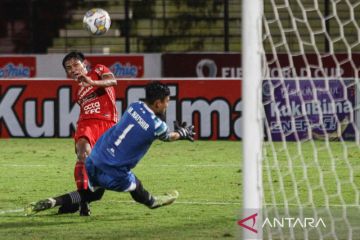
[206, 173]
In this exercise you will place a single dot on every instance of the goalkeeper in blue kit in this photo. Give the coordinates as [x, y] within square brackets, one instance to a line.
[120, 149]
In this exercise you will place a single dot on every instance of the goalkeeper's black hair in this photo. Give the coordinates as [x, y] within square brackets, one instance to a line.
[74, 54]
[155, 90]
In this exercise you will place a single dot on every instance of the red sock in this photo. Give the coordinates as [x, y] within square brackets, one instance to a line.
[81, 177]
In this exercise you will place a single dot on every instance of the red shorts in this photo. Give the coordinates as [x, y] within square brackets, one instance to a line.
[91, 129]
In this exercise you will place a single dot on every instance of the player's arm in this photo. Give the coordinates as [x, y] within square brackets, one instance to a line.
[107, 80]
[181, 132]
[173, 136]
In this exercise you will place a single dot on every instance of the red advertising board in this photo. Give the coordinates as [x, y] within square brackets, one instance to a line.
[46, 108]
[201, 65]
[313, 65]
[228, 65]
[122, 66]
[17, 67]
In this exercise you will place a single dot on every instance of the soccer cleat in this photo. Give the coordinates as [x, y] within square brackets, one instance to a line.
[38, 206]
[84, 209]
[166, 199]
[64, 209]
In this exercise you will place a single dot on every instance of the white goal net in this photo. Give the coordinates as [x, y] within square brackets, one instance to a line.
[311, 152]
[311, 103]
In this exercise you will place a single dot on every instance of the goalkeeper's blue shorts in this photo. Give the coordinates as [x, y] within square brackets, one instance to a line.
[116, 179]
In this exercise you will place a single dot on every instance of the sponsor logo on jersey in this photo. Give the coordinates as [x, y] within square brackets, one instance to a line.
[83, 91]
[92, 108]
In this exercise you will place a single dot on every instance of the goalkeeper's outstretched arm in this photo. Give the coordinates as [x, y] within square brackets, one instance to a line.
[181, 132]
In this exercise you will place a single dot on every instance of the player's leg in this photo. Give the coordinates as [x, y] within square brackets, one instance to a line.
[141, 195]
[87, 134]
[83, 149]
[66, 200]
[122, 180]
[88, 198]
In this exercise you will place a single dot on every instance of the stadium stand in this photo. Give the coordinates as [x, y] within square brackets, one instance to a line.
[156, 26]
[167, 25]
[28, 26]
[182, 25]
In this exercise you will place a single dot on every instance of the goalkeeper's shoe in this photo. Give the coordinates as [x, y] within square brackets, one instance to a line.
[85, 209]
[166, 199]
[38, 206]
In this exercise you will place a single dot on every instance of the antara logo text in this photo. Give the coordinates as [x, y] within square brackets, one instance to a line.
[11, 70]
[285, 222]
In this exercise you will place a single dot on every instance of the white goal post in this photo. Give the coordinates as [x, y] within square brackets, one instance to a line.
[252, 115]
[301, 119]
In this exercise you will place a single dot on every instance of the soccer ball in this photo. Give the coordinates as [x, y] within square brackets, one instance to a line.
[97, 21]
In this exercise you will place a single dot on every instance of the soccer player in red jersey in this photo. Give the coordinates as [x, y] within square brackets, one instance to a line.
[96, 97]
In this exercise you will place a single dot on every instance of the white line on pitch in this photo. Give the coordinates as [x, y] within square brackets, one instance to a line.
[11, 211]
[237, 203]
[155, 165]
[308, 166]
[320, 206]
[196, 203]
[196, 165]
[201, 165]
[22, 165]
[208, 203]
[186, 203]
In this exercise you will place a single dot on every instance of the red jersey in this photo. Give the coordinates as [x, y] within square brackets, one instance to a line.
[97, 102]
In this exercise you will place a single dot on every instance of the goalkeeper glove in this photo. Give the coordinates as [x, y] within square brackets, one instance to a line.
[185, 132]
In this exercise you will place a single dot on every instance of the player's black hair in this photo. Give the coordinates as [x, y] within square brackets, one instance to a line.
[156, 90]
[74, 54]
